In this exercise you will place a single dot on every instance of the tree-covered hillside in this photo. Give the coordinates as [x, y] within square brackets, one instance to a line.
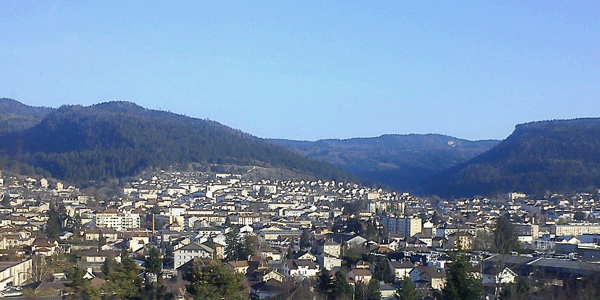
[15, 116]
[404, 162]
[538, 157]
[117, 139]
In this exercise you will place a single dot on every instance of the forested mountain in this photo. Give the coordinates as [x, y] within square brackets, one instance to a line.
[116, 139]
[15, 116]
[538, 157]
[404, 162]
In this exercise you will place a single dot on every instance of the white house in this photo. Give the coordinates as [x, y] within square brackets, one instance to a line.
[505, 276]
[297, 268]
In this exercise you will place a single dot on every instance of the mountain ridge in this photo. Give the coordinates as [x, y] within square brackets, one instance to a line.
[119, 138]
[115, 139]
[537, 158]
[403, 162]
[15, 116]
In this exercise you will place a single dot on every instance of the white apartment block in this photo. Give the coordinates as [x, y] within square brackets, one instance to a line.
[117, 220]
[191, 251]
[576, 229]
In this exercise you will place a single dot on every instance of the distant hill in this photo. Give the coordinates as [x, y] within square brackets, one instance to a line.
[116, 139]
[553, 156]
[404, 162]
[15, 116]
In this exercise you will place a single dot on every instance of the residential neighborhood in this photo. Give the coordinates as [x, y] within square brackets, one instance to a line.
[283, 235]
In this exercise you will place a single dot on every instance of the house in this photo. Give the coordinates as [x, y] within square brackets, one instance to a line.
[191, 251]
[426, 237]
[246, 230]
[208, 232]
[328, 262]
[137, 241]
[95, 256]
[296, 268]
[415, 242]
[304, 255]
[383, 250]
[359, 275]
[330, 247]
[506, 275]
[270, 254]
[401, 268]
[94, 234]
[356, 241]
[261, 271]
[266, 275]
[361, 264]
[44, 246]
[270, 289]
[461, 240]
[387, 291]
[239, 266]
[51, 290]
[428, 277]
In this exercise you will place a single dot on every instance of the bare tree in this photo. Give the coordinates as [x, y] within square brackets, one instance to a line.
[40, 271]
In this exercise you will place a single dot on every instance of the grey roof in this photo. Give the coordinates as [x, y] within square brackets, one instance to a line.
[510, 259]
[8, 264]
[405, 264]
[303, 263]
[565, 264]
[195, 246]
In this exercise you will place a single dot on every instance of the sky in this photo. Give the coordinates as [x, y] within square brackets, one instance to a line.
[309, 70]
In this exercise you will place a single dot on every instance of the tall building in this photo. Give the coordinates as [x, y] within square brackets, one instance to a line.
[405, 227]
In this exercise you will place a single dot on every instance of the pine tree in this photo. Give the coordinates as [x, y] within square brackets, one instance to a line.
[101, 240]
[305, 240]
[407, 290]
[360, 291]
[154, 262]
[232, 241]
[209, 279]
[372, 292]
[505, 236]
[461, 284]
[53, 225]
[383, 271]
[80, 287]
[325, 283]
[342, 290]
[124, 282]
[109, 265]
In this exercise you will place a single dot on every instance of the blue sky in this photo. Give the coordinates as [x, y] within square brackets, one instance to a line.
[310, 70]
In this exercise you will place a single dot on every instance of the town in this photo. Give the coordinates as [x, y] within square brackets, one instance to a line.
[289, 238]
